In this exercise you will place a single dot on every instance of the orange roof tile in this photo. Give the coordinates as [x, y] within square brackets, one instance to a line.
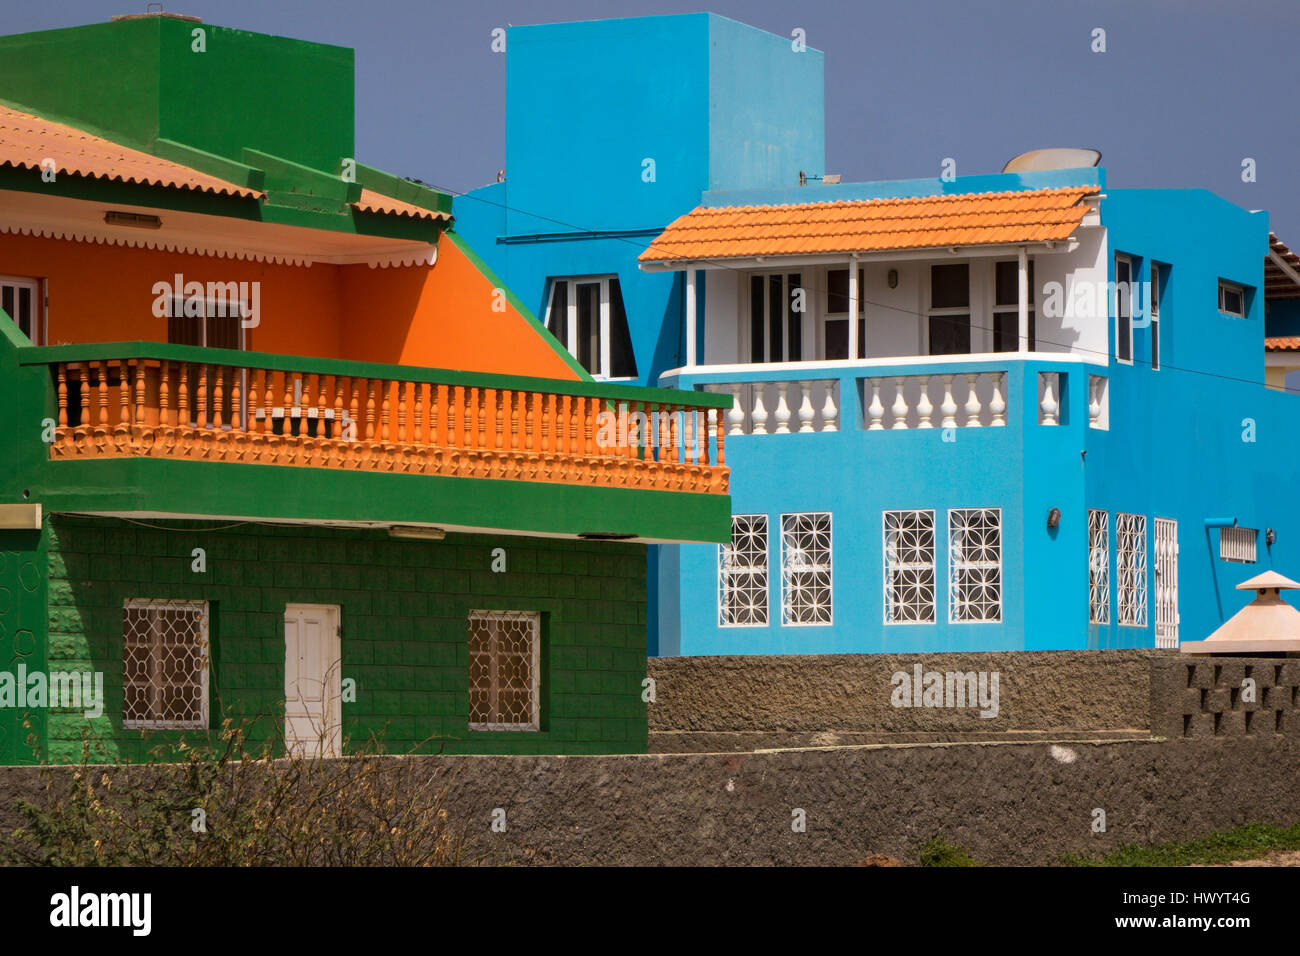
[871, 225]
[372, 201]
[1282, 343]
[27, 140]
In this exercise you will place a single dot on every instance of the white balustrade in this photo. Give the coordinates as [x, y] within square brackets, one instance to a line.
[1049, 407]
[1099, 402]
[966, 400]
[772, 408]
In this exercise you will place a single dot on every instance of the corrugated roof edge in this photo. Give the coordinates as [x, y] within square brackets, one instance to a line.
[1088, 177]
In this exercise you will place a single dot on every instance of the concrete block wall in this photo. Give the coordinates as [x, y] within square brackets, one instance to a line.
[1225, 696]
[404, 609]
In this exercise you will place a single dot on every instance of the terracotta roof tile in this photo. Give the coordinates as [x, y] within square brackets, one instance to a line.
[372, 201]
[27, 140]
[926, 222]
[1283, 343]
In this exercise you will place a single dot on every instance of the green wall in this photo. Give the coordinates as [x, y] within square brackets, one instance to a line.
[404, 607]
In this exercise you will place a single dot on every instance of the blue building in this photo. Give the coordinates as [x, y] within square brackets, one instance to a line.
[1011, 411]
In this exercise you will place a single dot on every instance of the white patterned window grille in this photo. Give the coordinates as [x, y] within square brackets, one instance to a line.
[1098, 567]
[806, 568]
[1131, 569]
[1238, 545]
[742, 574]
[909, 567]
[975, 565]
[504, 664]
[165, 664]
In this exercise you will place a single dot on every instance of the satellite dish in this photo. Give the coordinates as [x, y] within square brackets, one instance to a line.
[1061, 157]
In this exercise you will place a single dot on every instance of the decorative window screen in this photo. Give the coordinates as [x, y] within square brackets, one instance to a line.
[1131, 569]
[504, 663]
[1238, 545]
[975, 565]
[909, 567]
[806, 568]
[742, 573]
[165, 664]
[1098, 567]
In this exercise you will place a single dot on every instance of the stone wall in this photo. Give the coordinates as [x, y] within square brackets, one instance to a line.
[1225, 696]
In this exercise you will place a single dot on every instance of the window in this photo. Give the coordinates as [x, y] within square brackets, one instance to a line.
[909, 567]
[1238, 545]
[1124, 309]
[21, 300]
[1232, 299]
[836, 330]
[1131, 569]
[1157, 291]
[213, 323]
[1098, 567]
[975, 565]
[742, 573]
[586, 315]
[504, 663]
[1006, 307]
[950, 309]
[776, 307]
[806, 568]
[165, 664]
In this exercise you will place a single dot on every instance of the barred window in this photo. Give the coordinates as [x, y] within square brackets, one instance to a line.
[165, 664]
[1131, 569]
[909, 567]
[1238, 545]
[504, 663]
[975, 565]
[806, 568]
[1098, 567]
[742, 573]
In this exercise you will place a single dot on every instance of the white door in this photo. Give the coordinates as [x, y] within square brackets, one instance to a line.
[1166, 582]
[312, 680]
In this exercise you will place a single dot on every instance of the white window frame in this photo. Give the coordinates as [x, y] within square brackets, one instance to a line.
[976, 291]
[825, 315]
[746, 314]
[1132, 590]
[1013, 309]
[957, 562]
[534, 620]
[1240, 290]
[788, 570]
[1098, 566]
[731, 567]
[205, 662]
[1153, 306]
[1239, 545]
[570, 340]
[37, 288]
[1128, 293]
[932, 607]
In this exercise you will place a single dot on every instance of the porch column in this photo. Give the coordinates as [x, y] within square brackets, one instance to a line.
[853, 307]
[1024, 300]
[690, 318]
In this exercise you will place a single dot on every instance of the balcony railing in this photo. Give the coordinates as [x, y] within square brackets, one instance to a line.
[919, 392]
[216, 405]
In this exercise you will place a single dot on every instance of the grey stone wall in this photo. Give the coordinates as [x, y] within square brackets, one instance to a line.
[1211, 697]
[1009, 803]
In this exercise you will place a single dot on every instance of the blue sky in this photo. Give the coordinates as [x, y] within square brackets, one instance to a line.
[1185, 91]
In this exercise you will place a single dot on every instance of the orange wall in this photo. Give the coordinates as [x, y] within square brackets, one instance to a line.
[440, 316]
[104, 293]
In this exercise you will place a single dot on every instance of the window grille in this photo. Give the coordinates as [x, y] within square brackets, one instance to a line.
[165, 664]
[742, 573]
[1098, 567]
[1131, 569]
[975, 565]
[806, 568]
[1238, 544]
[909, 567]
[504, 663]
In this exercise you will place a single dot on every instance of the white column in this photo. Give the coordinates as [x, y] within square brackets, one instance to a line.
[1024, 300]
[853, 307]
[690, 318]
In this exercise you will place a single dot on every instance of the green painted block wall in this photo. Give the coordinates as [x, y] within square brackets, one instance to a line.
[404, 615]
[23, 609]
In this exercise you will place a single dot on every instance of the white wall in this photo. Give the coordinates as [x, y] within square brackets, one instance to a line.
[721, 317]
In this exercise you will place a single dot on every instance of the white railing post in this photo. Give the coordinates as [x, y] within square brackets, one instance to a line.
[830, 414]
[972, 401]
[875, 411]
[806, 410]
[759, 410]
[949, 406]
[998, 404]
[924, 407]
[782, 413]
[1050, 406]
[899, 408]
[1094, 400]
[736, 414]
